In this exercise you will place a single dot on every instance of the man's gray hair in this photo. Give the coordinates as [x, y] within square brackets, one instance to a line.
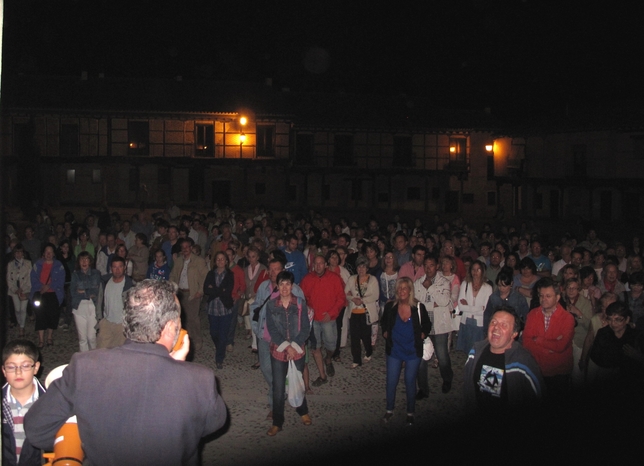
[148, 307]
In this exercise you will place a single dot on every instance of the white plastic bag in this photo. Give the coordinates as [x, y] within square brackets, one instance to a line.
[295, 387]
[428, 349]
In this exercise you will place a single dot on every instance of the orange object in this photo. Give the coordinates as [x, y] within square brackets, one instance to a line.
[179, 342]
[67, 447]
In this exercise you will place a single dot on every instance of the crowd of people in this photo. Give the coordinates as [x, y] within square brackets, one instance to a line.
[536, 318]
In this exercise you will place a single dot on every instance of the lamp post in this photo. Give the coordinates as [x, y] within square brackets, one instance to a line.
[242, 138]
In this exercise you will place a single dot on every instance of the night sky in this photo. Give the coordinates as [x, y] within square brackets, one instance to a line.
[517, 57]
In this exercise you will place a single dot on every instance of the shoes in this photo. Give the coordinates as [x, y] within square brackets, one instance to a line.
[269, 416]
[255, 366]
[319, 381]
[330, 370]
[254, 351]
[41, 345]
[354, 365]
[447, 386]
[367, 358]
[306, 420]
[229, 348]
[421, 395]
[410, 420]
[337, 358]
[220, 365]
[272, 432]
[387, 417]
[435, 363]
[50, 342]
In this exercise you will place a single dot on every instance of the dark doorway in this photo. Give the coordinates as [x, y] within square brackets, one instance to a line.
[221, 192]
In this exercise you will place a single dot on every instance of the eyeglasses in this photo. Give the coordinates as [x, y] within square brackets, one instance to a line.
[23, 368]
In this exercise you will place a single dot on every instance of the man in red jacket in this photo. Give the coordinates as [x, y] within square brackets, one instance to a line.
[324, 293]
[548, 334]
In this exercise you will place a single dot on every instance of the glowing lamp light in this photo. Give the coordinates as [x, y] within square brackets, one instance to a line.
[452, 149]
[489, 147]
[243, 120]
[242, 138]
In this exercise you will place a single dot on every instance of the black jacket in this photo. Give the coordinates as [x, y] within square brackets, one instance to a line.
[422, 325]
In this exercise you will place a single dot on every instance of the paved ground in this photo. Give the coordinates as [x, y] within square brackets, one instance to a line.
[346, 412]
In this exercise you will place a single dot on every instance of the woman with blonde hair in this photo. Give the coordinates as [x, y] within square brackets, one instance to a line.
[405, 325]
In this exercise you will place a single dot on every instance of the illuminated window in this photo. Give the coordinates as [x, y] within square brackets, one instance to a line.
[138, 136]
[458, 149]
[265, 141]
[68, 144]
[205, 140]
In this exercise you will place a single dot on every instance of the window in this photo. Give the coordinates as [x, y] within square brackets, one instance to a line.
[304, 149]
[538, 201]
[138, 134]
[97, 176]
[468, 198]
[326, 192]
[579, 159]
[343, 150]
[491, 198]
[260, 189]
[291, 192]
[403, 156]
[265, 141]
[69, 141]
[356, 190]
[383, 197]
[205, 140]
[134, 179]
[457, 149]
[413, 193]
[22, 139]
[71, 176]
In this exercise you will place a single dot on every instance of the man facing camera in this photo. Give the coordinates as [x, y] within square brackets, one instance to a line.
[139, 403]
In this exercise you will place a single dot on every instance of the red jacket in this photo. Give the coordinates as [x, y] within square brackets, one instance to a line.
[552, 349]
[239, 288]
[324, 294]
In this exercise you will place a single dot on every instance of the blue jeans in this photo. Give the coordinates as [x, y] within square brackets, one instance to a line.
[219, 326]
[279, 370]
[394, 367]
[264, 353]
[444, 363]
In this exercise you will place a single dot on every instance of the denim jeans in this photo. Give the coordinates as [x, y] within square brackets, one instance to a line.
[394, 367]
[279, 370]
[444, 363]
[219, 326]
[264, 353]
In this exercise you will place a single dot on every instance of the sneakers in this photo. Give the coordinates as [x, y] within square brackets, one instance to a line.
[387, 417]
[306, 420]
[330, 370]
[319, 381]
[272, 432]
[367, 358]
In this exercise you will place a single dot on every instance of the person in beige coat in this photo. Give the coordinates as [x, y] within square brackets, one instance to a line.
[189, 272]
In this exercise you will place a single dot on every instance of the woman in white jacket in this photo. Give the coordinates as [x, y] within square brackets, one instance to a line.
[472, 300]
[362, 292]
[19, 284]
